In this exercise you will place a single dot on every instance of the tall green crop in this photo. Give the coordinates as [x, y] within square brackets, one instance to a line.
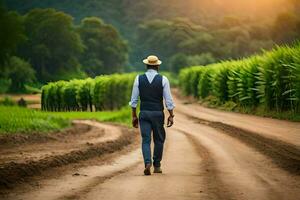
[205, 82]
[106, 92]
[234, 81]
[194, 80]
[247, 86]
[219, 84]
[85, 94]
[278, 78]
[271, 79]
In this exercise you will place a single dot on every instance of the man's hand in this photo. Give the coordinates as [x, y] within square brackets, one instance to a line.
[170, 121]
[135, 122]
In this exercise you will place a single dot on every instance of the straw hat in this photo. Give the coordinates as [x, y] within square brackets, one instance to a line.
[152, 60]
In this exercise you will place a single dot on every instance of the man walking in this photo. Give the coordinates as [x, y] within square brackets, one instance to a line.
[152, 88]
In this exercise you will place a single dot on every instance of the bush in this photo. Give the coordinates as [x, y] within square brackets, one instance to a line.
[5, 84]
[7, 101]
[202, 59]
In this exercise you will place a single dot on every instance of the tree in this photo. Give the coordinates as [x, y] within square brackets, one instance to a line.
[11, 34]
[201, 43]
[53, 45]
[259, 32]
[106, 52]
[164, 38]
[128, 15]
[230, 21]
[286, 28]
[180, 61]
[201, 59]
[296, 6]
[230, 43]
[20, 73]
[177, 62]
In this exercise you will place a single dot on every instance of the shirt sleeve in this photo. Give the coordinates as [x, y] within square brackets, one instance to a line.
[135, 93]
[167, 94]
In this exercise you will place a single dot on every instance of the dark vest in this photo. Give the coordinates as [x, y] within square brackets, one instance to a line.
[151, 94]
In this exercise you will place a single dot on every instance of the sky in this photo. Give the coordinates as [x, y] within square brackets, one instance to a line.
[254, 7]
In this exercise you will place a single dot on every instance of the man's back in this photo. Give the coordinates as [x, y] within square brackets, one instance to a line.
[151, 74]
[151, 94]
[152, 88]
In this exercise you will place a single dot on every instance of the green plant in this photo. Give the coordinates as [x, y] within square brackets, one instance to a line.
[106, 92]
[26, 121]
[205, 82]
[279, 79]
[219, 84]
[23, 120]
[271, 79]
[85, 94]
[5, 84]
[7, 101]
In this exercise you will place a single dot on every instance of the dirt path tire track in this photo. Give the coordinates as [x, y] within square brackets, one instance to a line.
[238, 170]
[13, 173]
[78, 193]
[215, 188]
[285, 155]
[199, 163]
[202, 160]
[281, 130]
[91, 175]
[181, 178]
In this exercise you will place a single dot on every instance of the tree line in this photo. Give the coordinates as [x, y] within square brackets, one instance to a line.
[182, 43]
[190, 32]
[186, 33]
[45, 45]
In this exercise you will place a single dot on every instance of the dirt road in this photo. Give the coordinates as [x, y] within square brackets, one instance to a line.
[209, 154]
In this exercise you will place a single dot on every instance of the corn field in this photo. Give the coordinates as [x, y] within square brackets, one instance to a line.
[271, 80]
[107, 92]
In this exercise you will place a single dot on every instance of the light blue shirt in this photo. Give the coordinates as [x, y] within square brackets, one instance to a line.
[166, 90]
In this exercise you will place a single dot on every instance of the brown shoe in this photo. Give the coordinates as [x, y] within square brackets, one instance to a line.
[147, 171]
[157, 170]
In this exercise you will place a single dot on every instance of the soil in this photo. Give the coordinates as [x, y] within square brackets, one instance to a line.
[209, 154]
[26, 97]
[19, 139]
[33, 100]
[30, 157]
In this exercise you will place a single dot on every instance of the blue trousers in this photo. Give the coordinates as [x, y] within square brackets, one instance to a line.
[152, 121]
